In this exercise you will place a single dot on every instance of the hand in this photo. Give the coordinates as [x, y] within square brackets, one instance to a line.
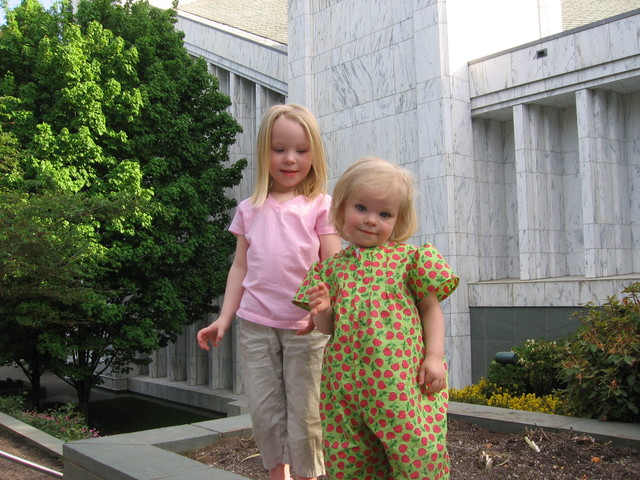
[213, 334]
[311, 326]
[432, 375]
[319, 300]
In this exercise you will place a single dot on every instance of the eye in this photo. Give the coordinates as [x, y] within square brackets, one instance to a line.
[302, 152]
[279, 150]
[361, 208]
[385, 215]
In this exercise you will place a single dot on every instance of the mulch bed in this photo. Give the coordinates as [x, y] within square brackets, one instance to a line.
[479, 454]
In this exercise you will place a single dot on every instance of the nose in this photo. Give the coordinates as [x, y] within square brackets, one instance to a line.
[370, 219]
[289, 157]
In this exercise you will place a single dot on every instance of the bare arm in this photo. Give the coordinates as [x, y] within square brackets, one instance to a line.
[329, 245]
[234, 290]
[432, 371]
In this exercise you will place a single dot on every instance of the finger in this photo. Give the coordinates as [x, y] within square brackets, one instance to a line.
[306, 330]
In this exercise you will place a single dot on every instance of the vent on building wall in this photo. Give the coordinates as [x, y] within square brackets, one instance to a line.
[541, 53]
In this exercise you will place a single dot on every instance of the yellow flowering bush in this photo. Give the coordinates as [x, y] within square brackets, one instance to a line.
[527, 401]
[485, 393]
[475, 394]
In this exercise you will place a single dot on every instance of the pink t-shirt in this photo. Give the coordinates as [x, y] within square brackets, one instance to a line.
[283, 243]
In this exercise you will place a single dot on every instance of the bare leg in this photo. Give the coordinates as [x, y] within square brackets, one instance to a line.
[280, 472]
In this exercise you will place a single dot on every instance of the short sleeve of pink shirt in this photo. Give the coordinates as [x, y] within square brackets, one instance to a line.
[283, 242]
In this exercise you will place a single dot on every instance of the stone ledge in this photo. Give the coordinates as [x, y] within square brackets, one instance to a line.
[506, 420]
[152, 454]
[199, 396]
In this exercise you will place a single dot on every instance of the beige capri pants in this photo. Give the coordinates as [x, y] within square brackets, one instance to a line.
[281, 375]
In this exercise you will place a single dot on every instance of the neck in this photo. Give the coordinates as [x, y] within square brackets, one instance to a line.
[283, 196]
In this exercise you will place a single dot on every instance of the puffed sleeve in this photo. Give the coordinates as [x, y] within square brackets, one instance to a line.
[316, 274]
[238, 223]
[430, 273]
[324, 226]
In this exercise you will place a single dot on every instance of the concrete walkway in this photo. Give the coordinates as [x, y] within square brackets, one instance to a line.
[155, 453]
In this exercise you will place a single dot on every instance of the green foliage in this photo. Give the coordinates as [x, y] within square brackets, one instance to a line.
[602, 365]
[511, 377]
[63, 422]
[11, 405]
[106, 108]
[537, 371]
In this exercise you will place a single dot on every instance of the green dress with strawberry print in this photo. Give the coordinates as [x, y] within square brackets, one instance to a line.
[378, 422]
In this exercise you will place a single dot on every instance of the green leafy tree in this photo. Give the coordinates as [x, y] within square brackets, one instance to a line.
[50, 261]
[107, 104]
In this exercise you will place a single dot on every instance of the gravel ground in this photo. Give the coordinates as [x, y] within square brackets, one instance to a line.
[9, 470]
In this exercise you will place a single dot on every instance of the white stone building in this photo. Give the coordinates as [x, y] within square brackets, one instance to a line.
[520, 120]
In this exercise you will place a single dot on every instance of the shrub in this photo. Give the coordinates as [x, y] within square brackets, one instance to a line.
[63, 422]
[538, 369]
[601, 364]
[507, 376]
[11, 405]
[485, 393]
[527, 401]
[475, 394]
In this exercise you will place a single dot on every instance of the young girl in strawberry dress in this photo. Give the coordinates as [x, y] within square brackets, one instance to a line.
[383, 397]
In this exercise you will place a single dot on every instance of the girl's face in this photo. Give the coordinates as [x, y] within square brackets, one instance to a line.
[290, 159]
[369, 220]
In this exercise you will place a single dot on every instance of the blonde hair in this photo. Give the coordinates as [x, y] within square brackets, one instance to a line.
[384, 177]
[315, 183]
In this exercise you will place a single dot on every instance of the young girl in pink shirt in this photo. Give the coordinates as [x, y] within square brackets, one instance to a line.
[281, 231]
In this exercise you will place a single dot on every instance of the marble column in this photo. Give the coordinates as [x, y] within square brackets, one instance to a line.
[605, 183]
[540, 192]
[158, 365]
[176, 358]
[301, 40]
[445, 159]
[196, 357]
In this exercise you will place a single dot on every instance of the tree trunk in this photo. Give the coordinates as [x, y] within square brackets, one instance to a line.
[33, 372]
[36, 390]
[84, 393]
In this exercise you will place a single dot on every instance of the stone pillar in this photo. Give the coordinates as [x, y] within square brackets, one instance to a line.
[605, 184]
[446, 172]
[177, 358]
[540, 192]
[301, 39]
[158, 365]
[196, 357]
